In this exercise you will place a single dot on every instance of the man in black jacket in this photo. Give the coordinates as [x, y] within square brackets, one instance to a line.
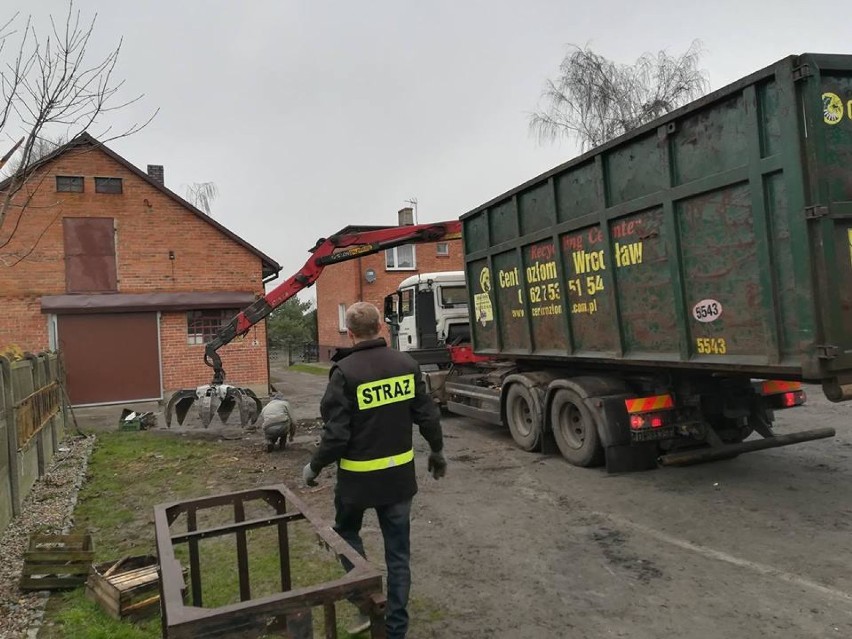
[374, 396]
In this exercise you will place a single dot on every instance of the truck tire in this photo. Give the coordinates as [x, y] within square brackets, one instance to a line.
[524, 417]
[574, 429]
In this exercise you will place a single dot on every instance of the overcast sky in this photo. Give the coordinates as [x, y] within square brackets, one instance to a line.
[310, 115]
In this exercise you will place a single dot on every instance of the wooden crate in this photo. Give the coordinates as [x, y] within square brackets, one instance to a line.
[56, 562]
[129, 587]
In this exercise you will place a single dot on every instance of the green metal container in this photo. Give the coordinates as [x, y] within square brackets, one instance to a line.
[718, 237]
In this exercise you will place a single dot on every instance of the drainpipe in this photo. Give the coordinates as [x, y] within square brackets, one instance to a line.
[360, 280]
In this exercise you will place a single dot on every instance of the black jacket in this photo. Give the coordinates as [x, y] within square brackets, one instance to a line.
[374, 396]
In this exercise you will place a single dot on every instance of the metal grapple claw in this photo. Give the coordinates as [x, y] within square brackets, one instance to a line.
[206, 404]
[179, 405]
[214, 399]
[254, 404]
[227, 406]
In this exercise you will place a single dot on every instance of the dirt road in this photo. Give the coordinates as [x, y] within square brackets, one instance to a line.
[519, 545]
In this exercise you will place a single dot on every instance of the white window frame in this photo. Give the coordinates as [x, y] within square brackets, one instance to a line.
[341, 317]
[442, 249]
[391, 264]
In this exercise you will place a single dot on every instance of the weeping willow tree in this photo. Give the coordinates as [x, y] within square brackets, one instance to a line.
[201, 195]
[594, 99]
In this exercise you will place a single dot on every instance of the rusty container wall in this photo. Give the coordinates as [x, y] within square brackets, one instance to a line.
[717, 237]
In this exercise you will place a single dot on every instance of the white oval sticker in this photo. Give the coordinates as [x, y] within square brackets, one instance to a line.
[707, 311]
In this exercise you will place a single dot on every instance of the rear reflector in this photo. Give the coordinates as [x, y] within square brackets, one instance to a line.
[774, 387]
[646, 404]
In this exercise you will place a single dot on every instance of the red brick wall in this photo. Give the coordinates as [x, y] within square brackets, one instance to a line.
[149, 224]
[22, 324]
[345, 284]
[244, 359]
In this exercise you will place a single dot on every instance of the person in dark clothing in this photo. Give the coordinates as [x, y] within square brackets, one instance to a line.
[374, 396]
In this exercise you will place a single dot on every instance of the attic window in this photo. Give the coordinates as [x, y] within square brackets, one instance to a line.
[69, 183]
[107, 185]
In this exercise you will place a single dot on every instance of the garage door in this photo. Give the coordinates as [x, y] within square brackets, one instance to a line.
[111, 357]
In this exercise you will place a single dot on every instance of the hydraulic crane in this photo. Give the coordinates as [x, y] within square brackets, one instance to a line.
[221, 398]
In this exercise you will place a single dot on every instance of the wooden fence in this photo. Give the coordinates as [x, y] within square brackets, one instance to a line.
[32, 424]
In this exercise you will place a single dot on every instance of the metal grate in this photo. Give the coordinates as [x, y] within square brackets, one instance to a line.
[291, 607]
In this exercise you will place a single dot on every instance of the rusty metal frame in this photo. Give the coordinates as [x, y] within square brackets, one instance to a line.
[35, 410]
[363, 584]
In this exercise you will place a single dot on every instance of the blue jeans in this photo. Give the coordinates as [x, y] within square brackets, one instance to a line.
[395, 522]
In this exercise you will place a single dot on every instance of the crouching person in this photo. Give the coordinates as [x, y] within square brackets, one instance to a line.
[277, 421]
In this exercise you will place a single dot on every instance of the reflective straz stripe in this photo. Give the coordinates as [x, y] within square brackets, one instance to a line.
[385, 391]
[369, 465]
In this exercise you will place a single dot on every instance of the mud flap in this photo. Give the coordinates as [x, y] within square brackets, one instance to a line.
[631, 458]
[622, 455]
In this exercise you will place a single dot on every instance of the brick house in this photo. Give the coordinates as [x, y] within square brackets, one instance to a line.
[126, 279]
[371, 278]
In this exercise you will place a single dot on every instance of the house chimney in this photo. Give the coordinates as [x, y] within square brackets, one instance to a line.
[406, 216]
[155, 172]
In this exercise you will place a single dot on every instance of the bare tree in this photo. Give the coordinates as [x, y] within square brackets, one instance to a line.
[201, 195]
[595, 99]
[42, 148]
[49, 88]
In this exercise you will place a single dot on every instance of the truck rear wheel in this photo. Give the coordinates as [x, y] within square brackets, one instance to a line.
[524, 417]
[574, 429]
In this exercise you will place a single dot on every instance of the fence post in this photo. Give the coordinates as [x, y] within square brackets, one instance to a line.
[6, 467]
[11, 436]
[29, 454]
[38, 440]
[58, 371]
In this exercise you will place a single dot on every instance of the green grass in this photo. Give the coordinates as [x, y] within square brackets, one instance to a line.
[129, 473]
[310, 368]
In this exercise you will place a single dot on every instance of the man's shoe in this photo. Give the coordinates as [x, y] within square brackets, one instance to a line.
[361, 624]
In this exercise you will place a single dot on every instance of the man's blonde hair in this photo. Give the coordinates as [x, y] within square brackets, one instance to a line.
[363, 320]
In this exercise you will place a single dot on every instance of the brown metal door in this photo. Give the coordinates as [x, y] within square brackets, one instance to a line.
[89, 254]
[110, 357]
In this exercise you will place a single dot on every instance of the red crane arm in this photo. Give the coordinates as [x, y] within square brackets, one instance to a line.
[336, 249]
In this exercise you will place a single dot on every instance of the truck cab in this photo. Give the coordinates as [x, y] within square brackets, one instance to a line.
[428, 311]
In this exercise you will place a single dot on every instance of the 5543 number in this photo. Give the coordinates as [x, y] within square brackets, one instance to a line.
[711, 346]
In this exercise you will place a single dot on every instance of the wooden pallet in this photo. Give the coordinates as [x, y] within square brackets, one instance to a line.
[56, 562]
[129, 587]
